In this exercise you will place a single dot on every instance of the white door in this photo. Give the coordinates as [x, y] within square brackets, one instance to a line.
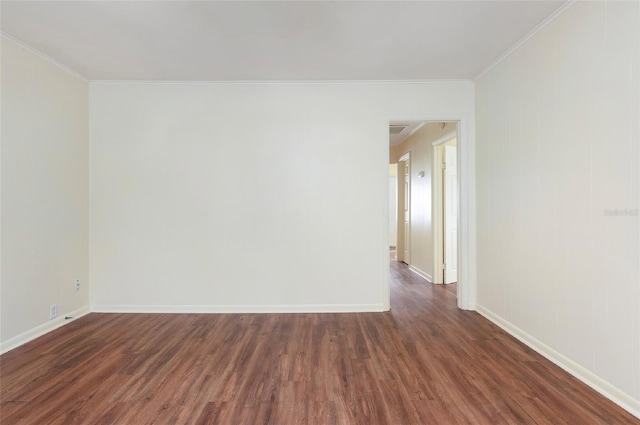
[404, 209]
[393, 205]
[406, 213]
[450, 215]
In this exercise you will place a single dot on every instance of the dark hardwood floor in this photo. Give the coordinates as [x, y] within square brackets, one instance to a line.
[425, 362]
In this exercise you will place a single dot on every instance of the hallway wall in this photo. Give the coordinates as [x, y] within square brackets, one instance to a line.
[419, 144]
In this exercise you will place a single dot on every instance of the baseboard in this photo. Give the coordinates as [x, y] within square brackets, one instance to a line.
[602, 386]
[468, 307]
[38, 331]
[303, 308]
[421, 273]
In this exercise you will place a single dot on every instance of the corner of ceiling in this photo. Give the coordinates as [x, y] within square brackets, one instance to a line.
[542, 25]
[49, 59]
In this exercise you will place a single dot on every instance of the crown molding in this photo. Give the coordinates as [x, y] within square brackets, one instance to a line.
[542, 25]
[279, 82]
[47, 58]
[445, 138]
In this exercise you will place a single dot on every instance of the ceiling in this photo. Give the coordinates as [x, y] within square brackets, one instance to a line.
[399, 131]
[265, 40]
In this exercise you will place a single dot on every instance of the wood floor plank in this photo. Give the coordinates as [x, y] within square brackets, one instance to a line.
[425, 362]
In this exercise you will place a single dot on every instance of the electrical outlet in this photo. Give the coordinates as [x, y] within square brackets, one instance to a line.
[53, 311]
[76, 285]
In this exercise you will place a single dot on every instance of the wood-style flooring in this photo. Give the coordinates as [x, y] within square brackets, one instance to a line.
[425, 362]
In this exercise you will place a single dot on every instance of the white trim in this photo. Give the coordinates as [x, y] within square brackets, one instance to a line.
[405, 157]
[602, 386]
[42, 329]
[418, 127]
[437, 218]
[38, 53]
[286, 82]
[300, 308]
[542, 25]
[444, 139]
[467, 250]
[421, 273]
[385, 254]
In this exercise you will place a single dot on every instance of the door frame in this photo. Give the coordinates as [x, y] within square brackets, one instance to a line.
[437, 218]
[404, 242]
[467, 252]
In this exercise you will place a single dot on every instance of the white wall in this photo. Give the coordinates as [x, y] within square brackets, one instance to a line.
[45, 198]
[223, 197]
[558, 139]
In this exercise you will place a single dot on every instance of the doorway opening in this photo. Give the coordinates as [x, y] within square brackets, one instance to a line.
[428, 210]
